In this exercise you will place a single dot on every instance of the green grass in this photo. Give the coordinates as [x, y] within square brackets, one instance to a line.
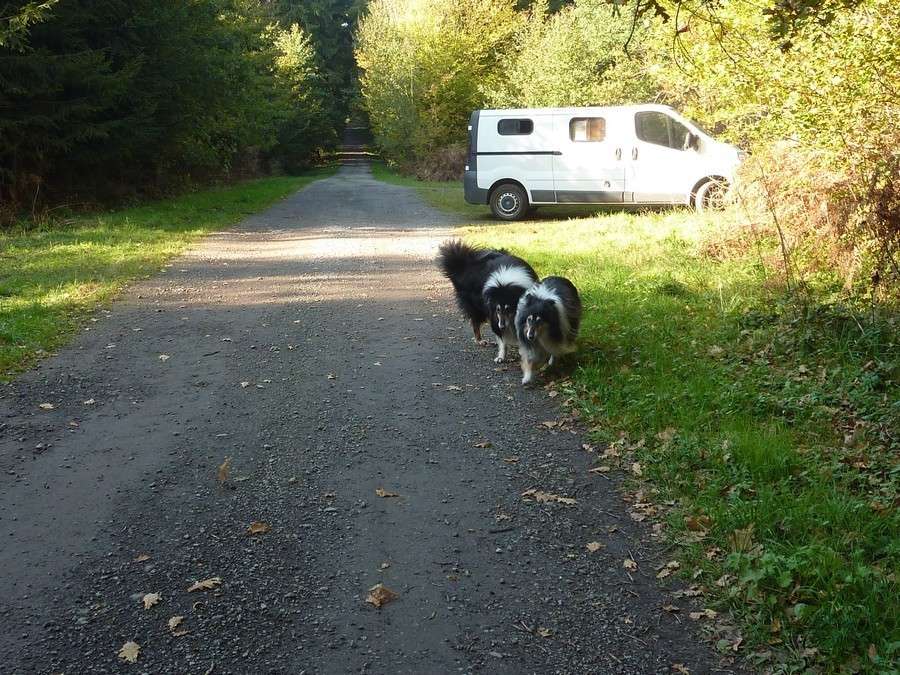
[740, 406]
[51, 276]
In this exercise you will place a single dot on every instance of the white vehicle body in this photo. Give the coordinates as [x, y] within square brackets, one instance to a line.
[640, 154]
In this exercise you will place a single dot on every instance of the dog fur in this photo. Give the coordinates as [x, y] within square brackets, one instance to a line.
[488, 284]
[548, 317]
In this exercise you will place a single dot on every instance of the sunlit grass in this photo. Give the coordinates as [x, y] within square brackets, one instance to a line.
[736, 399]
[51, 276]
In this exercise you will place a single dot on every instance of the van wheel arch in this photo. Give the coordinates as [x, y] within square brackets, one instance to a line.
[700, 187]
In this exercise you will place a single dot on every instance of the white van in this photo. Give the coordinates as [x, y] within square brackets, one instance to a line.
[640, 154]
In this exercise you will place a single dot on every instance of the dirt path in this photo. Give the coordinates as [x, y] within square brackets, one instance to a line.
[317, 347]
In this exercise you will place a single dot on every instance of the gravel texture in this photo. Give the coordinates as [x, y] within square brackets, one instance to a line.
[318, 348]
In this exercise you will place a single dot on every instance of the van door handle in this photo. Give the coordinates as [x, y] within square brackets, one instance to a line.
[618, 153]
[634, 153]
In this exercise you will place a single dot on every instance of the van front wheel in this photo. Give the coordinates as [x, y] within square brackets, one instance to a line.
[711, 196]
[509, 202]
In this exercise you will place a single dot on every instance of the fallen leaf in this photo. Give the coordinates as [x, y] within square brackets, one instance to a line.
[174, 622]
[258, 527]
[46, 406]
[636, 469]
[671, 608]
[224, 470]
[483, 444]
[453, 387]
[680, 668]
[544, 497]
[668, 569]
[600, 469]
[381, 492]
[384, 565]
[594, 546]
[89, 401]
[129, 652]
[550, 424]
[150, 599]
[331, 376]
[697, 523]
[164, 357]
[205, 585]
[872, 653]
[629, 565]
[742, 540]
[544, 632]
[141, 558]
[511, 460]
[245, 384]
[705, 614]
[715, 351]
[380, 595]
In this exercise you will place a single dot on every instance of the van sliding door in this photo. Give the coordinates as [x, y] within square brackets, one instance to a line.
[589, 169]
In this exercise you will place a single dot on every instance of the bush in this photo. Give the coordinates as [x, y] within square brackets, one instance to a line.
[441, 165]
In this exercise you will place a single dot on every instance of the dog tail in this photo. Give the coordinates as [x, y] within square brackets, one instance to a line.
[455, 257]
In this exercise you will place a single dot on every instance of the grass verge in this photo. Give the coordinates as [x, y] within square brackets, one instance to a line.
[51, 276]
[766, 432]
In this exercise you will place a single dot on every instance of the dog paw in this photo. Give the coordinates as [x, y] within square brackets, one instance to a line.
[527, 381]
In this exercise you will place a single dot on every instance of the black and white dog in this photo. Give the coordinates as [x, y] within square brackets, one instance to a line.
[488, 285]
[547, 320]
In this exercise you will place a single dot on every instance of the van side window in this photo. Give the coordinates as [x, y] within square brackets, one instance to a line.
[660, 129]
[515, 127]
[587, 129]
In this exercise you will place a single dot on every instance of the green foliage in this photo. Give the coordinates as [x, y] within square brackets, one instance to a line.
[115, 97]
[425, 65]
[16, 18]
[330, 23]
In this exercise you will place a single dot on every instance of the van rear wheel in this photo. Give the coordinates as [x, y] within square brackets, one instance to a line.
[509, 202]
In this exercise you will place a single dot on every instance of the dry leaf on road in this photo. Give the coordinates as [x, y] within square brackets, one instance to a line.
[224, 470]
[594, 546]
[89, 401]
[454, 387]
[205, 585]
[380, 595]
[705, 614]
[175, 621]
[600, 469]
[680, 668]
[47, 406]
[129, 651]
[141, 557]
[381, 492]
[245, 384]
[482, 444]
[668, 569]
[150, 599]
[544, 632]
[258, 527]
[545, 497]
[164, 357]
[629, 565]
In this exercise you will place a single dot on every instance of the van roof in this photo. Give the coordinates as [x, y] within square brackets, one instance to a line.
[577, 110]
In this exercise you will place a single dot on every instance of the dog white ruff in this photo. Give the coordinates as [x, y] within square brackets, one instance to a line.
[509, 275]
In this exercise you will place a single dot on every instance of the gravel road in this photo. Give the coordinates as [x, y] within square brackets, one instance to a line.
[317, 347]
